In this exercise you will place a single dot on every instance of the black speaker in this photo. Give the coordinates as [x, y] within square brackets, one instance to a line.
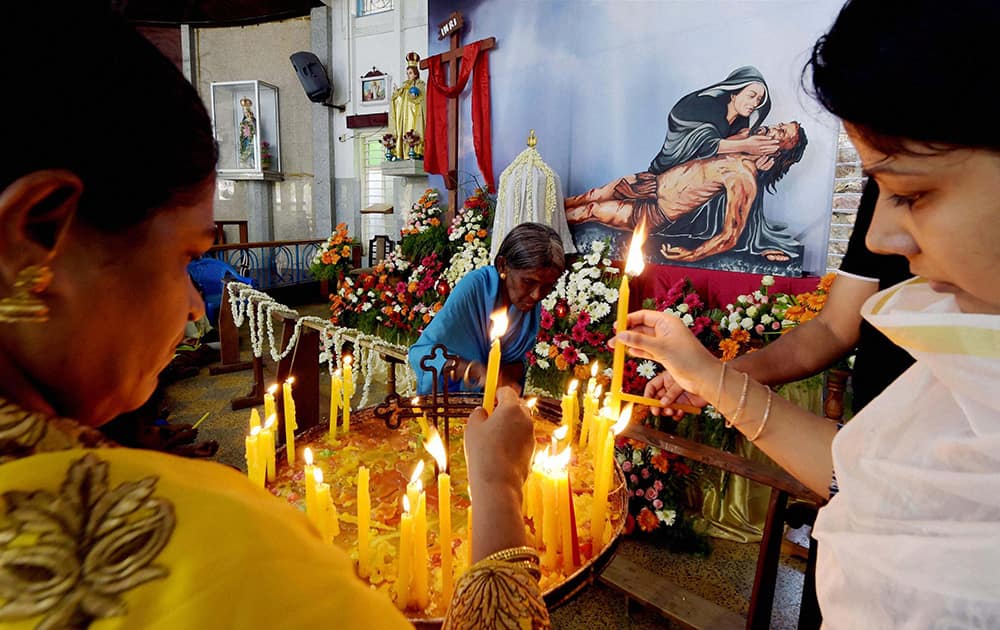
[312, 75]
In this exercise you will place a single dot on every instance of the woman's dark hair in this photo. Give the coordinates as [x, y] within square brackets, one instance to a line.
[911, 69]
[86, 93]
[532, 246]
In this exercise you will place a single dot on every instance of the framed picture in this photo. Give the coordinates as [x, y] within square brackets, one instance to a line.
[374, 89]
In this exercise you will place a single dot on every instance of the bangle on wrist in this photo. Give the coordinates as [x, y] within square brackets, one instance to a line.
[767, 414]
[742, 404]
[465, 377]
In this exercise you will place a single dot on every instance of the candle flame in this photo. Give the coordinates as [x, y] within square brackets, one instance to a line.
[337, 372]
[499, 327]
[635, 263]
[623, 420]
[406, 505]
[347, 360]
[572, 386]
[598, 391]
[540, 459]
[531, 402]
[308, 456]
[254, 431]
[419, 470]
[318, 475]
[290, 380]
[435, 447]
[560, 433]
[272, 389]
[593, 369]
[271, 421]
[560, 462]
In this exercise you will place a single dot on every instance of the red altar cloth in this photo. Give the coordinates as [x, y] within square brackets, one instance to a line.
[717, 288]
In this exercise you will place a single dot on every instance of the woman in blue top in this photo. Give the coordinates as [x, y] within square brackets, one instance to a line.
[526, 267]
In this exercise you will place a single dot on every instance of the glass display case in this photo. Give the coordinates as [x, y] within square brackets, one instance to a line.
[245, 120]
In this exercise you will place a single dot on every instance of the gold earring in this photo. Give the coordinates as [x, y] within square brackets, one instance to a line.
[24, 305]
[503, 276]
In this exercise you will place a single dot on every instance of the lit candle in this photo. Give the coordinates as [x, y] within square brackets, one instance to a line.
[590, 407]
[558, 436]
[421, 418]
[267, 445]
[435, 447]
[309, 479]
[404, 573]
[592, 381]
[364, 520]
[335, 395]
[603, 474]
[290, 425]
[550, 513]
[533, 498]
[493, 365]
[633, 267]
[570, 409]
[348, 392]
[255, 471]
[269, 407]
[563, 498]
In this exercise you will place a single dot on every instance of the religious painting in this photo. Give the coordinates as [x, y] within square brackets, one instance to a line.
[375, 89]
[690, 117]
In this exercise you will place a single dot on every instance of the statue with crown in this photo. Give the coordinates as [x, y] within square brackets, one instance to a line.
[530, 191]
[408, 113]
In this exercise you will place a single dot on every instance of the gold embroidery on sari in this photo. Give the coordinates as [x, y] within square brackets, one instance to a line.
[69, 556]
[496, 594]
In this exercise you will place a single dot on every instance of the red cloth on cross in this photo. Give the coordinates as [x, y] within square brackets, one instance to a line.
[476, 63]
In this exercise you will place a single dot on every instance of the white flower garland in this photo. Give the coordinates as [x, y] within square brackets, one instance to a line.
[250, 304]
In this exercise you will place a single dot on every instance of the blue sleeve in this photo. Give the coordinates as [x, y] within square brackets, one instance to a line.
[462, 326]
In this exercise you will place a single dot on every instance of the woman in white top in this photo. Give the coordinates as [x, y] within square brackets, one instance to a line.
[912, 539]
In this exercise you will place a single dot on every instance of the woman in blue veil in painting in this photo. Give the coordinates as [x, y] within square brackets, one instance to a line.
[723, 118]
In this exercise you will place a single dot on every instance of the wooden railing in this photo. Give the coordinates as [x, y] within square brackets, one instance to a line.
[270, 263]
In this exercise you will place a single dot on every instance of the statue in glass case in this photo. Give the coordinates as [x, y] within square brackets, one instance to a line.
[248, 134]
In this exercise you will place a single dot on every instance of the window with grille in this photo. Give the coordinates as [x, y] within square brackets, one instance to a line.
[368, 7]
[375, 183]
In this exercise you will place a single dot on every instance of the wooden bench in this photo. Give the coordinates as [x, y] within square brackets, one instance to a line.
[689, 610]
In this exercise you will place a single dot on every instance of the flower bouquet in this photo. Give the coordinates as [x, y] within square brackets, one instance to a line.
[469, 234]
[265, 155]
[424, 233]
[389, 142]
[411, 139]
[333, 258]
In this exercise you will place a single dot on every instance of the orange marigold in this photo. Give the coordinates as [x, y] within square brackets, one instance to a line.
[553, 351]
[816, 301]
[730, 348]
[740, 336]
[427, 318]
[660, 462]
[334, 259]
[581, 372]
[561, 363]
[794, 313]
[469, 237]
[345, 251]
[481, 233]
[807, 316]
[412, 287]
[826, 281]
[647, 520]
[435, 221]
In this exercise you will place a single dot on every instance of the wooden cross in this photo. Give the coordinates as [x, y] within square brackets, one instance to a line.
[451, 27]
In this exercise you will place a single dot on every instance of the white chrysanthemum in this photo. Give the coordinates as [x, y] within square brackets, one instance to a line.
[747, 323]
[733, 326]
[542, 348]
[766, 319]
[646, 369]
[734, 317]
[741, 299]
[543, 363]
[582, 358]
[767, 281]
[599, 311]
[367, 306]
[682, 308]
[752, 311]
[687, 319]
[667, 516]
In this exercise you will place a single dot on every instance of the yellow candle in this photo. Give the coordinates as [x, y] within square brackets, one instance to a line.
[591, 405]
[435, 447]
[255, 471]
[420, 593]
[550, 521]
[254, 418]
[269, 407]
[633, 267]
[592, 381]
[364, 520]
[335, 395]
[267, 445]
[326, 514]
[570, 410]
[347, 387]
[565, 522]
[603, 473]
[468, 530]
[533, 494]
[290, 425]
[309, 479]
[493, 364]
[404, 573]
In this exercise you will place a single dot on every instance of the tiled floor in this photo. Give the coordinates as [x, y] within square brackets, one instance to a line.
[724, 577]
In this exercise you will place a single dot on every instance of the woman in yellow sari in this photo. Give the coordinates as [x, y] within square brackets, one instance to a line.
[95, 237]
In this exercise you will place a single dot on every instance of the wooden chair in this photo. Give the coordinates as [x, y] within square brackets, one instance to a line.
[378, 248]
